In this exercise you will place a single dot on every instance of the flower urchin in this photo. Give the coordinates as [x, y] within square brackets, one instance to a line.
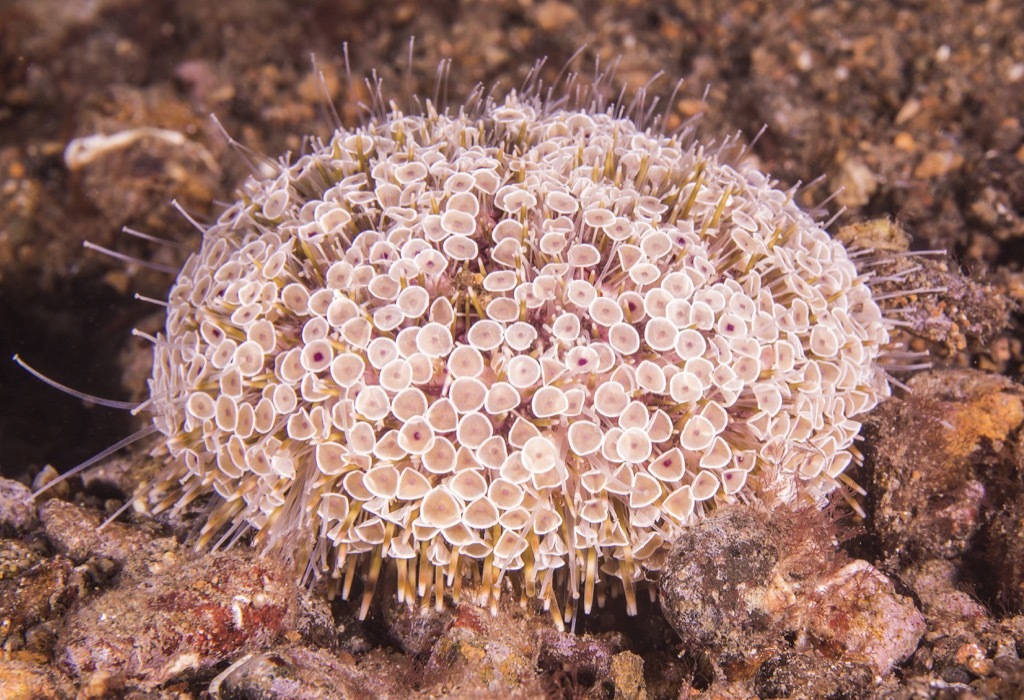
[519, 339]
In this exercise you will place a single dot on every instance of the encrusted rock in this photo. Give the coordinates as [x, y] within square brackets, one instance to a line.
[17, 507]
[414, 628]
[932, 298]
[482, 654]
[292, 672]
[627, 674]
[857, 615]
[943, 599]
[16, 557]
[746, 584]
[315, 621]
[1002, 554]
[37, 595]
[582, 661]
[186, 620]
[812, 675]
[937, 455]
[714, 582]
[75, 532]
[22, 679]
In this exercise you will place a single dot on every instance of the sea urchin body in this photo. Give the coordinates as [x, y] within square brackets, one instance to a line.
[519, 339]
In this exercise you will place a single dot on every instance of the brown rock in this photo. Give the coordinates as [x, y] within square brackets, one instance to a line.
[482, 654]
[938, 164]
[955, 619]
[857, 183]
[17, 507]
[946, 605]
[42, 593]
[627, 674]
[75, 532]
[1002, 554]
[315, 622]
[712, 585]
[573, 662]
[27, 680]
[932, 454]
[135, 154]
[553, 16]
[744, 585]
[955, 312]
[16, 557]
[963, 313]
[144, 633]
[292, 672]
[883, 235]
[413, 627]
[811, 675]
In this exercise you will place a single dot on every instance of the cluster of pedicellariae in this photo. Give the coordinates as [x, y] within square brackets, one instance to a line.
[517, 343]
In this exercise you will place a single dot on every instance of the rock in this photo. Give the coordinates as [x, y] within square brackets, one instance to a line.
[389, 673]
[554, 16]
[414, 628]
[628, 676]
[856, 182]
[946, 606]
[1002, 554]
[315, 622]
[185, 620]
[745, 585]
[16, 557]
[713, 583]
[811, 675]
[665, 674]
[291, 672]
[574, 662]
[936, 455]
[28, 680]
[17, 507]
[55, 487]
[37, 595]
[954, 618]
[882, 235]
[132, 167]
[959, 312]
[856, 614]
[938, 164]
[75, 532]
[481, 654]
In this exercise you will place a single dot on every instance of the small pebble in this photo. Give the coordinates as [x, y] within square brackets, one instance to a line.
[17, 507]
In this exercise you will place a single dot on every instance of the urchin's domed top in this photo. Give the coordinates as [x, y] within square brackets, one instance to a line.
[519, 340]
